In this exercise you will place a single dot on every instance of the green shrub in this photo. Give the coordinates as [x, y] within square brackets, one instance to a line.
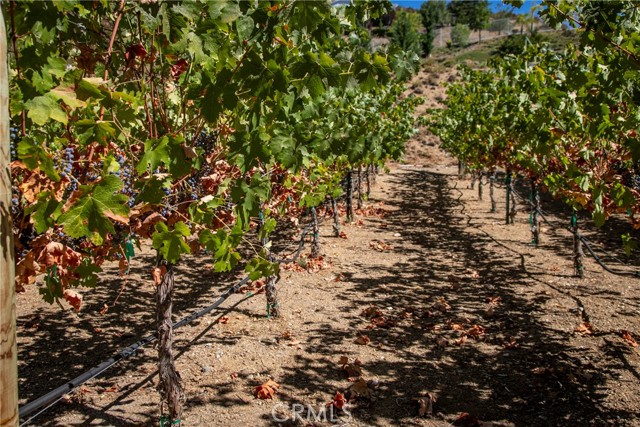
[515, 44]
[460, 35]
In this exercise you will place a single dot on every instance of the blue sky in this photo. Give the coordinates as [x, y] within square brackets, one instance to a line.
[495, 5]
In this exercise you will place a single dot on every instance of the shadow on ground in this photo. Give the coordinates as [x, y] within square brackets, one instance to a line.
[521, 371]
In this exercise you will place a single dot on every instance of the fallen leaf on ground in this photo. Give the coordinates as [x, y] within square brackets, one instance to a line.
[457, 327]
[441, 305]
[371, 311]
[585, 328]
[224, 320]
[343, 235]
[467, 420]
[363, 340]
[476, 331]
[626, 335]
[380, 246]
[352, 369]
[425, 404]
[338, 401]
[359, 389]
[267, 390]
[104, 309]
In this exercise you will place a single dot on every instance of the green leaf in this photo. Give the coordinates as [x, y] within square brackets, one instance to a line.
[244, 26]
[96, 131]
[224, 11]
[171, 244]
[45, 212]
[151, 190]
[42, 108]
[259, 267]
[165, 151]
[34, 155]
[91, 215]
[221, 245]
[87, 272]
[86, 89]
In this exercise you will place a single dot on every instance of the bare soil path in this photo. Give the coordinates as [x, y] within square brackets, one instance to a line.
[454, 304]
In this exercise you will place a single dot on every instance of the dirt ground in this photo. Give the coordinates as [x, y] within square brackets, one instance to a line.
[438, 300]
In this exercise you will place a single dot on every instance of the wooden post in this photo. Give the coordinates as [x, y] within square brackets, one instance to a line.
[8, 347]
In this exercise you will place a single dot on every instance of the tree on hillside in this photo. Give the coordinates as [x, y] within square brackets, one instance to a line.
[405, 32]
[500, 25]
[435, 14]
[474, 13]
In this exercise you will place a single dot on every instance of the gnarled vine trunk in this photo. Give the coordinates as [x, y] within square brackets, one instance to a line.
[270, 289]
[315, 245]
[514, 204]
[271, 292]
[480, 186]
[578, 253]
[368, 182]
[349, 196]
[508, 196]
[169, 386]
[360, 187]
[492, 179]
[336, 217]
[535, 209]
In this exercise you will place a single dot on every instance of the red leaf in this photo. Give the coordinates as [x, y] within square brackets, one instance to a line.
[338, 401]
[135, 51]
[467, 420]
[267, 390]
[626, 335]
[178, 68]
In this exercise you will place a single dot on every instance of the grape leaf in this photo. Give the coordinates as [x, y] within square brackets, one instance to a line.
[92, 213]
[171, 244]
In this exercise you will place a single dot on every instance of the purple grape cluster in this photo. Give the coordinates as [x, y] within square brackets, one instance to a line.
[14, 139]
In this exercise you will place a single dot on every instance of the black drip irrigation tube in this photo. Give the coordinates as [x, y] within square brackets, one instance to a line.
[586, 243]
[42, 403]
[49, 399]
